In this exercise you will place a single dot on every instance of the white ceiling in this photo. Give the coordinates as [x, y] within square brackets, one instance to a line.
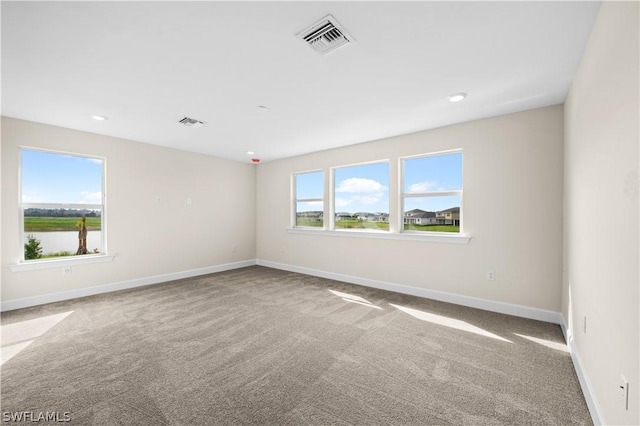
[146, 65]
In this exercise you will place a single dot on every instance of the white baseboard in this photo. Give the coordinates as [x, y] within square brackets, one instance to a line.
[473, 302]
[488, 305]
[583, 378]
[9, 305]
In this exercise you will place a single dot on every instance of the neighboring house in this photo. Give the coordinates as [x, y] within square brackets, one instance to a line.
[343, 215]
[382, 217]
[449, 217]
[362, 216]
[444, 217]
[311, 215]
[419, 217]
[366, 216]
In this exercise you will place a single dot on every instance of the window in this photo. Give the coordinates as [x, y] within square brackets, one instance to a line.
[426, 207]
[309, 199]
[432, 193]
[361, 197]
[62, 204]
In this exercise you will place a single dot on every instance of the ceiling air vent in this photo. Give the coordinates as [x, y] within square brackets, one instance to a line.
[326, 35]
[190, 122]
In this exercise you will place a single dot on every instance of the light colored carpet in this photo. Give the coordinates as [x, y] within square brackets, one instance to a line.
[263, 346]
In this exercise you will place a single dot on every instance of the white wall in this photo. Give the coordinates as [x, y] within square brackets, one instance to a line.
[601, 212]
[148, 239]
[512, 210]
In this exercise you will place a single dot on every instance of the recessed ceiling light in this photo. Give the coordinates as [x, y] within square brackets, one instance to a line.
[457, 97]
[250, 152]
[100, 117]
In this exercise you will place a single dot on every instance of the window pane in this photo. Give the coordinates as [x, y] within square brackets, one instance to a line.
[55, 188]
[433, 173]
[59, 178]
[309, 185]
[362, 197]
[309, 213]
[432, 214]
[56, 232]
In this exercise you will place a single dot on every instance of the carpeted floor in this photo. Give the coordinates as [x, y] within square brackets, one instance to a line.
[269, 347]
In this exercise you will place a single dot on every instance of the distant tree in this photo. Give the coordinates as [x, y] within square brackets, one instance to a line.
[38, 212]
[32, 249]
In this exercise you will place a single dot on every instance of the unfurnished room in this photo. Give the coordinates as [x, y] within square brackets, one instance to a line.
[320, 213]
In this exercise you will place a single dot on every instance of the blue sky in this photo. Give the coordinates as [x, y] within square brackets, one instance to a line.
[365, 188]
[362, 188]
[433, 173]
[60, 178]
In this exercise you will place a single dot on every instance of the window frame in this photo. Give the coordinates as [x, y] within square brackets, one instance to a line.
[34, 264]
[402, 196]
[396, 206]
[293, 223]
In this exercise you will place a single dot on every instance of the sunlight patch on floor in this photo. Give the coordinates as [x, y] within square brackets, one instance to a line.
[352, 298]
[17, 336]
[448, 322]
[544, 342]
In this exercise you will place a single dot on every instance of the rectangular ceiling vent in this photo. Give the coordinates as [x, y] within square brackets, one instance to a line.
[190, 122]
[326, 35]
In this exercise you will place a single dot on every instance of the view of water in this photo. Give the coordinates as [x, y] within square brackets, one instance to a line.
[53, 242]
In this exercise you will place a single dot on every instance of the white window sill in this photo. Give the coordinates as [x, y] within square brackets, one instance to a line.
[34, 265]
[433, 237]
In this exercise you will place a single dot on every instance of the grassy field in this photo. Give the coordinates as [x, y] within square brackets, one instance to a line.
[302, 221]
[361, 224]
[432, 228]
[345, 224]
[47, 224]
[58, 254]
[356, 224]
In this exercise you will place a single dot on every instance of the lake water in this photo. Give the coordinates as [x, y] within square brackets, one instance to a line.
[53, 242]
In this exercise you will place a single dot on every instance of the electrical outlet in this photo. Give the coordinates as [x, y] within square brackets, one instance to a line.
[624, 392]
[491, 275]
[233, 249]
[158, 199]
[66, 270]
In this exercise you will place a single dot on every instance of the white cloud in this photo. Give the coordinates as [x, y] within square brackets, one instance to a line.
[426, 186]
[368, 199]
[360, 185]
[360, 191]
